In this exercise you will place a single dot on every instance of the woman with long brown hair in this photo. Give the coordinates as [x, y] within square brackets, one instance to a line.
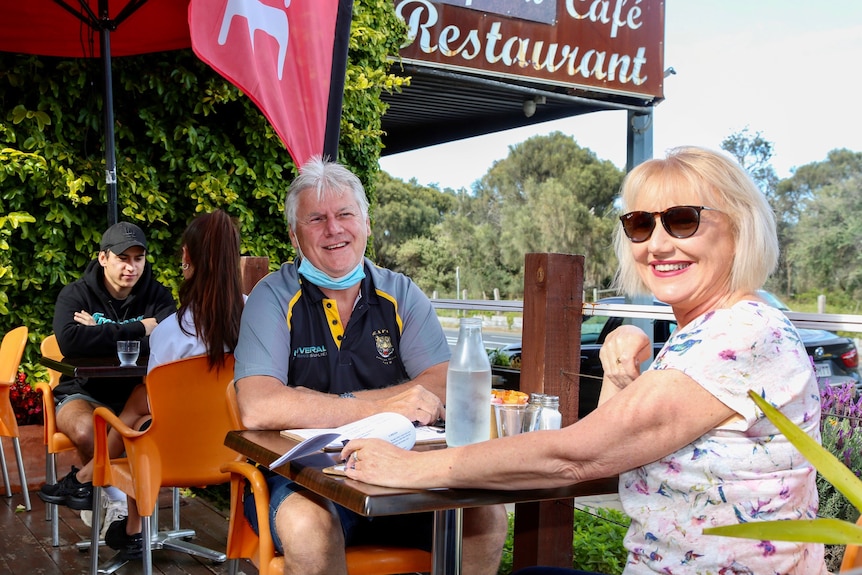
[211, 299]
[206, 323]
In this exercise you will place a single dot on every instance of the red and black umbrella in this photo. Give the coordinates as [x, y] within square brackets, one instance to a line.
[227, 35]
[95, 29]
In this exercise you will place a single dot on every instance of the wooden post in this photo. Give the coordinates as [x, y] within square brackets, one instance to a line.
[253, 269]
[550, 363]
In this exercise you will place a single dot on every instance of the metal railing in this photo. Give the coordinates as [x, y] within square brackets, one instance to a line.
[827, 321]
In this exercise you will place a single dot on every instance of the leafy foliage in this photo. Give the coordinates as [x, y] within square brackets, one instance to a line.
[499, 358]
[826, 251]
[841, 434]
[597, 543]
[187, 142]
[405, 211]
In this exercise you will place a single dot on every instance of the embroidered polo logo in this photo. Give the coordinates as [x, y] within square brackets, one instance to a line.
[384, 345]
[309, 351]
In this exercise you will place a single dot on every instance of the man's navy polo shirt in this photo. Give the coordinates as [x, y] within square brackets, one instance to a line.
[393, 334]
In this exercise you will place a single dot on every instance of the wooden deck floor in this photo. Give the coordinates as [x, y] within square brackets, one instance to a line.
[25, 540]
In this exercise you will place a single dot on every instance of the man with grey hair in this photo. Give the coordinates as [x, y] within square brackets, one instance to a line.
[329, 339]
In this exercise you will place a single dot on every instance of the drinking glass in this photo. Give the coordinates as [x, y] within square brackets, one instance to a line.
[510, 418]
[128, 351]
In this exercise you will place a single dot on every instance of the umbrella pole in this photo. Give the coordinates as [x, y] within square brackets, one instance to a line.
[337, 79]
[110, 152]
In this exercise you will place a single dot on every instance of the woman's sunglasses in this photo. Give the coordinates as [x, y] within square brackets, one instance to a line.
[679, 221]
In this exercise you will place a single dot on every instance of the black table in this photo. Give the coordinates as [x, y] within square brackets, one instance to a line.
[95, 366]
[264, 447]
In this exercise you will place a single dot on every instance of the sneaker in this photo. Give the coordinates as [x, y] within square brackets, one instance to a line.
[114, 511]
[131, 547]
[69, 492]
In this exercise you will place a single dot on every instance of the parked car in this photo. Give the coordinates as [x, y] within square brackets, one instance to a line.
[835, 358]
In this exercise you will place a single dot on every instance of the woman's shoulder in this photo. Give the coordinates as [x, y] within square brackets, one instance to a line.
[167, 325]
[757, 308]
[745, 315]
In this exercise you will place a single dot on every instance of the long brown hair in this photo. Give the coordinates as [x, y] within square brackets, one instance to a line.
[213, 294]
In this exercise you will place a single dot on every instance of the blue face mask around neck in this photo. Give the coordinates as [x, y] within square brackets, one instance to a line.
[320, 279]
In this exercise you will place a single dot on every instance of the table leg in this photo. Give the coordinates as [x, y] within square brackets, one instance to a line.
[446, 547]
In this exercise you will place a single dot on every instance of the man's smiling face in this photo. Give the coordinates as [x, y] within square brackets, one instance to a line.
[331, 231]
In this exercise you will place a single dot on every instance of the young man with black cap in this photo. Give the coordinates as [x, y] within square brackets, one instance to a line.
[116, 299]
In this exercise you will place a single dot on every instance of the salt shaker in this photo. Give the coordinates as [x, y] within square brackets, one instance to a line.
[534, 409]
[550, 417]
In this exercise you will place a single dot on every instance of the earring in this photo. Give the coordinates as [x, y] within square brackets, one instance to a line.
[184, 267]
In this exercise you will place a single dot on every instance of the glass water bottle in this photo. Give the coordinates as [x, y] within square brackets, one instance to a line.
[468, 387]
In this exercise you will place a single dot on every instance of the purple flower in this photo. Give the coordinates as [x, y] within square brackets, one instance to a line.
[728, 354]
[768, 548]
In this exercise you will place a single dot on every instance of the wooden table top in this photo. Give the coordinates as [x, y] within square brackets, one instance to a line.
[95, 366]
[264, 447]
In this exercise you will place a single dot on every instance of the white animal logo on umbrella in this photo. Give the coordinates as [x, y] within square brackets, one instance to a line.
[259, 16]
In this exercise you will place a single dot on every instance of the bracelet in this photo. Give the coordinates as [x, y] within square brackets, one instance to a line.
[347, 395]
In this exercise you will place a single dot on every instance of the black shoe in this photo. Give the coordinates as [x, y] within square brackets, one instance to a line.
[69, 492]
[131, 547]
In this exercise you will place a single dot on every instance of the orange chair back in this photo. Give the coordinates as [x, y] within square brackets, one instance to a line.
[55, 441]
[184, 444]
[50, 348]
[11, 352]
[852, 557]
[190, 421]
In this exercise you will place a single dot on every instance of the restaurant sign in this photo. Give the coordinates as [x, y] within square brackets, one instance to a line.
[609, 46]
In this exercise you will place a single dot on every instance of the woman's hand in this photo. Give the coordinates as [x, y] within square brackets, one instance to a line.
[379, 462]
[622, 353]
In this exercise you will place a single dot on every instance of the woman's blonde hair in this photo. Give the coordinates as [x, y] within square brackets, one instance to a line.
[718, 182]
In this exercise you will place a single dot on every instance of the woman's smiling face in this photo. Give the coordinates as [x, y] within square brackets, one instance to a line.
[690, 274]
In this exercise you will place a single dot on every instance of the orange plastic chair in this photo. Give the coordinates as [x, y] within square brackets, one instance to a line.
[11, 351]
[55, 441]
[182, 447]
[244, 543]
[852, 558]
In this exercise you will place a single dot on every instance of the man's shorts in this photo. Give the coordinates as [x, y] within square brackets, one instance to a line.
[414, 530]
[90, 400]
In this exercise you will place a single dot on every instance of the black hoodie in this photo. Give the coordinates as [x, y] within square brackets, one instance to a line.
[116, 320]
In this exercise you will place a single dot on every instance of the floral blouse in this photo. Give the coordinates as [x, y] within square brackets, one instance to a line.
[741, 471]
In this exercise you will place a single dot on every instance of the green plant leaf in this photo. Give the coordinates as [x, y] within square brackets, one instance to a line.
[827, 464]
[828, 530]
[832, 531]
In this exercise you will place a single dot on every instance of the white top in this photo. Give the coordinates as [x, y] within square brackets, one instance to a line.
[169, 343]
[741, 471]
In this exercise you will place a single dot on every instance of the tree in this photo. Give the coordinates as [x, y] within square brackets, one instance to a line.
[753, 152]
[826, 253]
[404, 211]
[549, 194]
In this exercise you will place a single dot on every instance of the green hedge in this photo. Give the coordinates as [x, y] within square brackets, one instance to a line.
[597, 541]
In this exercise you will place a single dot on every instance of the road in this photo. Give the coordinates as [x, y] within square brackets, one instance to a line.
[492, 338]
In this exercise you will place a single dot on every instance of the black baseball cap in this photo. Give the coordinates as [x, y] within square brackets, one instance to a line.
[122, 236]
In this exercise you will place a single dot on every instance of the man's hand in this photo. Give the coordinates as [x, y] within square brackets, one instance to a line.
[416, 404]
[84, 318]
[150, 324]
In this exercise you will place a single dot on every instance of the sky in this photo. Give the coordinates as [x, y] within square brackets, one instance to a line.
[788, 69]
